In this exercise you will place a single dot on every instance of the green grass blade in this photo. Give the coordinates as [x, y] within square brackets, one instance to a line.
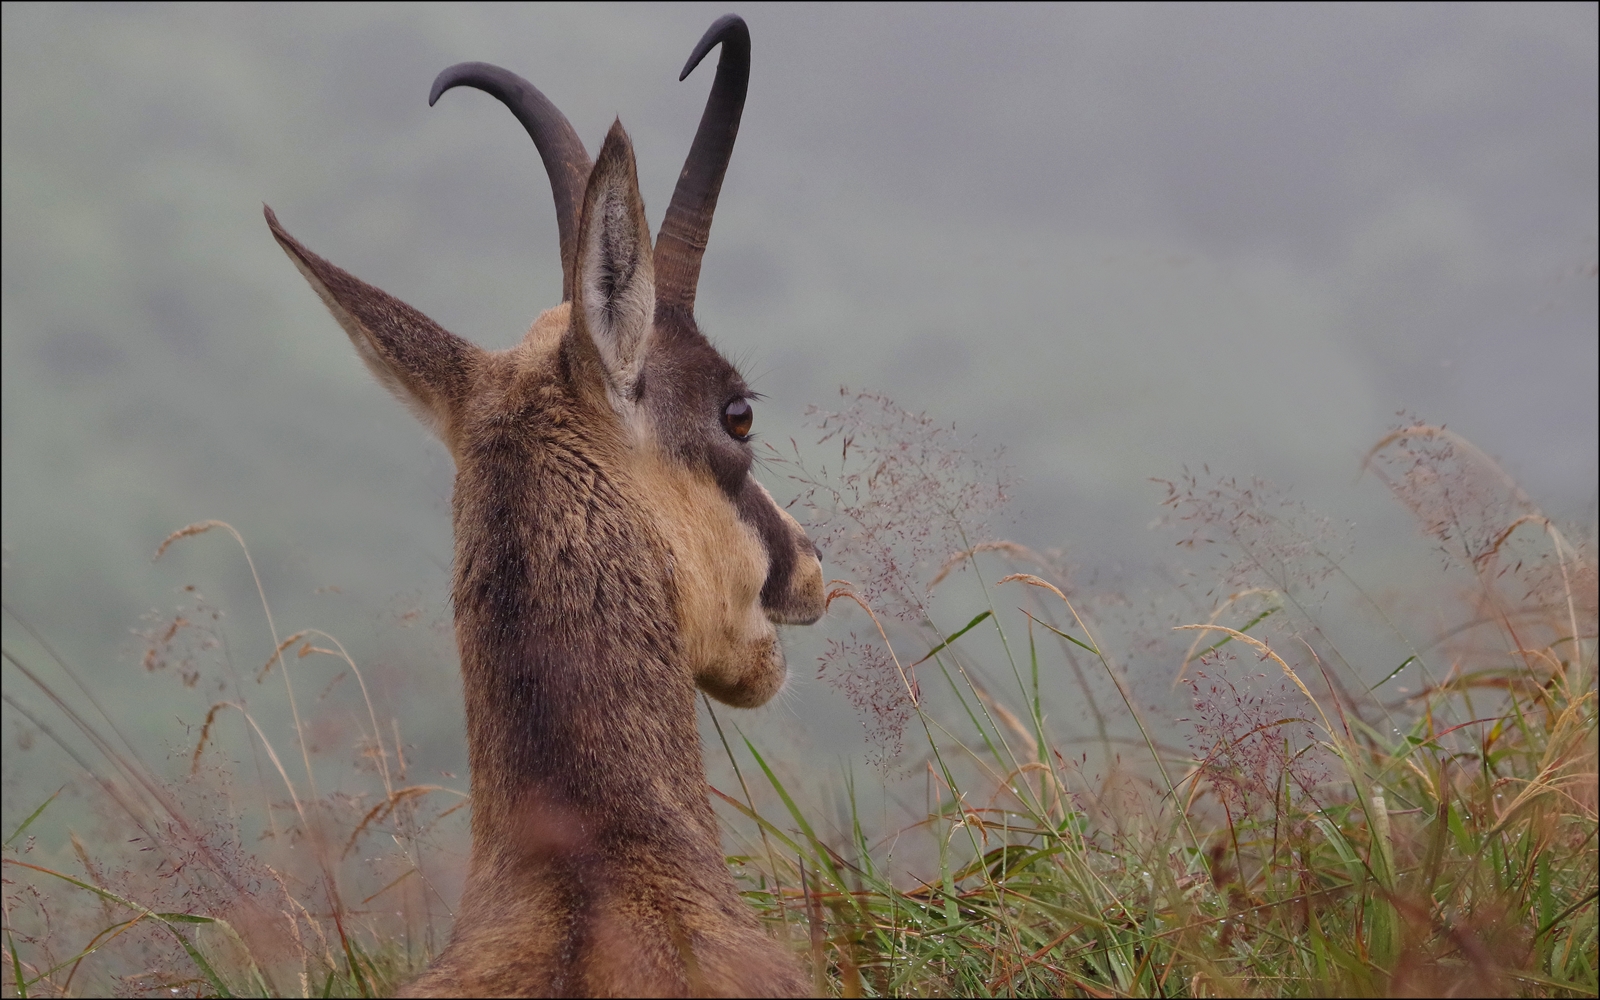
[1391, 675]
[819, 850]
[166, 919]
[968, 627]
[201, 963]
[765, 824]
[1075, 642]
[31, 817]
[16, 963]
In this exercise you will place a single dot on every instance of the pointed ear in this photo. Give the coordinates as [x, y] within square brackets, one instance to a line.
[423, 364]
[614, 290]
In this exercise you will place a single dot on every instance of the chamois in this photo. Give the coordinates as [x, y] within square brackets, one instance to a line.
[612, 553]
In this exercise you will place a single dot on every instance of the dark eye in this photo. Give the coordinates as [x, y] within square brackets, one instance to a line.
[737, 418]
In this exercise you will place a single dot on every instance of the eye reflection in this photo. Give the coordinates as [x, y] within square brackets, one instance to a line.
[737, 417]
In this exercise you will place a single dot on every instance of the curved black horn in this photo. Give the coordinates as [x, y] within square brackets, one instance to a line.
[687, 224]
[565, 159]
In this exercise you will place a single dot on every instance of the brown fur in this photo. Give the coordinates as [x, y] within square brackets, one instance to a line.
[612, 552]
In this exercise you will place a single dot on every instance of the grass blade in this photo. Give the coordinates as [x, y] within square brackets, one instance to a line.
[968, 627]
[31, 817]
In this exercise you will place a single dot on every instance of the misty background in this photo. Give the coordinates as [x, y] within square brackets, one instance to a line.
[1116, 241]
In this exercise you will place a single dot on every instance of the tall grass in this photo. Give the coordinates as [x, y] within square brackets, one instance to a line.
[1288, 790]
[230, 879]
[1300, 832]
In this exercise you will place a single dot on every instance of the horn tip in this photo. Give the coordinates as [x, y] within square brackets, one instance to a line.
[441, 83]
[458, 75]
[727, 27]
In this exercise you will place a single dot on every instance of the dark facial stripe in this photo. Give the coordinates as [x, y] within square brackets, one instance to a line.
[757, 509]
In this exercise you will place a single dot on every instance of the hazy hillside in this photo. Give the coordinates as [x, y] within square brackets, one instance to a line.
[1113, 240]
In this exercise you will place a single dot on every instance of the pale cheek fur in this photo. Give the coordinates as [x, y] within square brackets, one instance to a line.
[719, 567]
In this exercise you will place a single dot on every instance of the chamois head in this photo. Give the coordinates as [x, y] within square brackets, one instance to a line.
[661, 409]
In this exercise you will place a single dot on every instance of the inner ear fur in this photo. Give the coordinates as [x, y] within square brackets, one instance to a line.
[614, 290]
[422, 363]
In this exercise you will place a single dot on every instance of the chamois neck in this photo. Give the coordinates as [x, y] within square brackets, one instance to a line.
[580, 716]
